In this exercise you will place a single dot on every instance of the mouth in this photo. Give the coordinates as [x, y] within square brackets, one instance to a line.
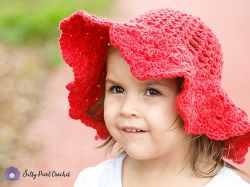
[133, 130]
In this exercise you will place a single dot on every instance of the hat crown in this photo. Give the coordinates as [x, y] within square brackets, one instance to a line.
[179, 30]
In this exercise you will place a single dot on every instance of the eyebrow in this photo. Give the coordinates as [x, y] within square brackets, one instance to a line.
[148, 83]
[110, 81]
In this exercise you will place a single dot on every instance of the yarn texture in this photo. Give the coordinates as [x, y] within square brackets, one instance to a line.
[159, 44]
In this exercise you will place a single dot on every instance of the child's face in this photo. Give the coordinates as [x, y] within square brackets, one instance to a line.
[147, 105]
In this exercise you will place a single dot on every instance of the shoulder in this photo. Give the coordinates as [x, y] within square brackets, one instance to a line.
[102, 174]
[227, 177]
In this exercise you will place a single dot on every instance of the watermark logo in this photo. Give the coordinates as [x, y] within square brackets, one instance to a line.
[12, 174]
[35, 175]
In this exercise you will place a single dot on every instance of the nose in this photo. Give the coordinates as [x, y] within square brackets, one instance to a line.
[130, 107]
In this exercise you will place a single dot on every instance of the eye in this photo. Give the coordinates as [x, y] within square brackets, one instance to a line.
[116, 89]
[152, 92]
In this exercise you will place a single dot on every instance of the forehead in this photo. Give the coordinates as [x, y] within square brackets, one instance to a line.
[114, 56]
[116, 66]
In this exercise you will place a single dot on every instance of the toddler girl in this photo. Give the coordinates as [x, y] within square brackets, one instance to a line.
[151, 87]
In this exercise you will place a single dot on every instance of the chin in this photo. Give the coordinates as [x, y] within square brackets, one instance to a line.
[139, 155]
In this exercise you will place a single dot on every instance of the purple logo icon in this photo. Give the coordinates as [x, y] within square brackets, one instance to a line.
[11, 174]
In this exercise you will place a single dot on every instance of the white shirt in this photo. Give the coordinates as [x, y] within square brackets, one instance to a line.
[108, 174]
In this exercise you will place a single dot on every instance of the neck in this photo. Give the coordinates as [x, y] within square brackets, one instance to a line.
[173, 164]
[167, 167]
[160, 172]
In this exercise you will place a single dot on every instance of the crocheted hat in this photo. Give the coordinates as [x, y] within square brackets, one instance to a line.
[157, 45]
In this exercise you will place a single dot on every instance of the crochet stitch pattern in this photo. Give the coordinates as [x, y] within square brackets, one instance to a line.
[159, 44]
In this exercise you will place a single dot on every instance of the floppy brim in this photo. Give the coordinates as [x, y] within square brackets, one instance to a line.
[84, 43]
[205, 108]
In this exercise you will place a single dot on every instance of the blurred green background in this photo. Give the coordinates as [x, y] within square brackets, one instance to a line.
[29, 53]
[35, 22]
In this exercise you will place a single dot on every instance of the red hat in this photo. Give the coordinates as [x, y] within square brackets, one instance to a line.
[157, 45]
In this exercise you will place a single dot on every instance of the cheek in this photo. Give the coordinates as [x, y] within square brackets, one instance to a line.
[110, 110]
[161, 115]
[110, 117]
